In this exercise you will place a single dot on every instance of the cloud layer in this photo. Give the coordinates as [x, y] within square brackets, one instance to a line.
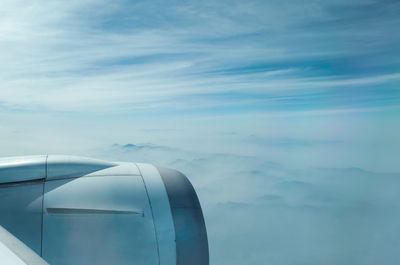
[284, 115]
[152, 56]
[260, 211]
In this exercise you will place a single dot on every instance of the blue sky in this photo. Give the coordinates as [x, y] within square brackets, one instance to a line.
[285, 115]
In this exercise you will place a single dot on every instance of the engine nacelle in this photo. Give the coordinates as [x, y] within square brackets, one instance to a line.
[73, 210]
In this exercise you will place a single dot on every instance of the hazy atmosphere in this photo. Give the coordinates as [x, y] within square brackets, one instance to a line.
[285, 115]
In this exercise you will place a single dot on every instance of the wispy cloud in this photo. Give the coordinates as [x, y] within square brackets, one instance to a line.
[123, 56]
[271, 108]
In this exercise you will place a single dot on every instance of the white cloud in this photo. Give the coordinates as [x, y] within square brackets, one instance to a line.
[78, 55]
[267, 210]
[315, 82]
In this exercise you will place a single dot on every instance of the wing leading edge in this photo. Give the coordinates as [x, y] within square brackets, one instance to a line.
[14, 252]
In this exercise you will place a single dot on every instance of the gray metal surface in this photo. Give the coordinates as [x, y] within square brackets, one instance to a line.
[21, 211]
[190, 230]
[24, 168]
[162, 215]
[7, 257]
[14, 252]
[75, 210]
[120, 169]
[59, 166]
[98, 220]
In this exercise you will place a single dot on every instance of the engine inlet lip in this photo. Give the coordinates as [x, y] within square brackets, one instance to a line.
[190, 230]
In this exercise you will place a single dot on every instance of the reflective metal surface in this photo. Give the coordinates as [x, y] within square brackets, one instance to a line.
[14, 252]
[98, 220]
[162, 215]
[71, 166]
[75, 210]
[24, 168]
[21, 212]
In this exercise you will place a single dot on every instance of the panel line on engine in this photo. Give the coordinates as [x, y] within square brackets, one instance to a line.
[91, 211]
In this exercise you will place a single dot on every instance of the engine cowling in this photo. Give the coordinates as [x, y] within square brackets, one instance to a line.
[73, 210]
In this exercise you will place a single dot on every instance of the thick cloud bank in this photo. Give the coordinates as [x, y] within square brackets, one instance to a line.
[284, 114]
[260, 212]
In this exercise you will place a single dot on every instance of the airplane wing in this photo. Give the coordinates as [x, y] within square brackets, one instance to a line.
[73, 210]
[14, 252]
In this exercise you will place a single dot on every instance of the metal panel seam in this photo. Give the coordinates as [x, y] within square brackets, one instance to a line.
[93, 176]
[152, 215]
[41, 227]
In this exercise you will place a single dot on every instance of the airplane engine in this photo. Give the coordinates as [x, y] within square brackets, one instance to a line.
[73, 210]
